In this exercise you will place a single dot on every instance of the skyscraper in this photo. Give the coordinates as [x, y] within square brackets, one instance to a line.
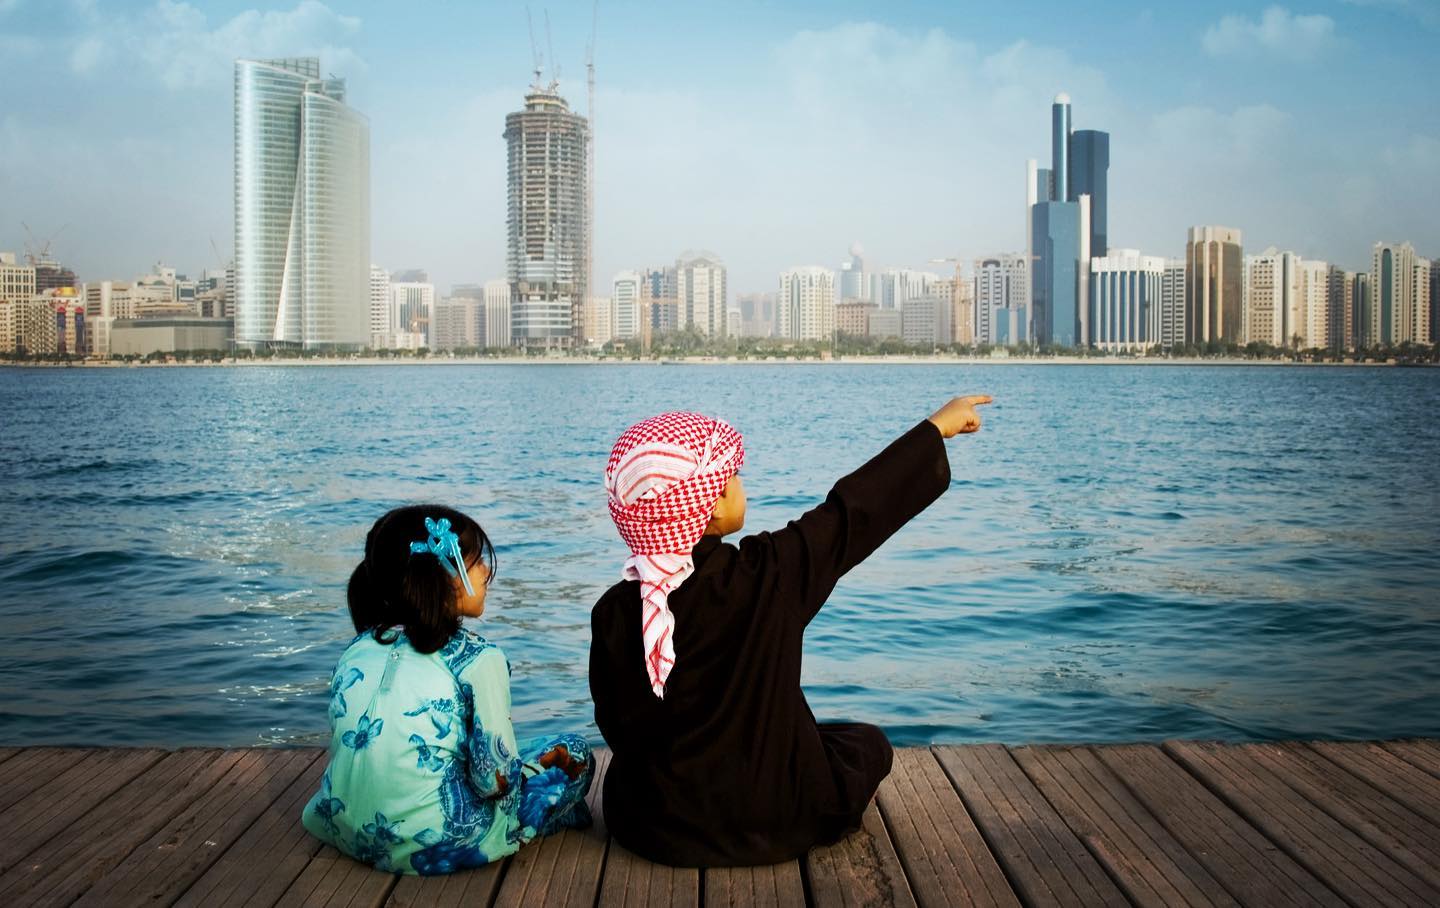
[1214, 285]
[1067, 225]
[701, 293]
[805, 308]
[302, 208]
[1314, 327]
[1090, 175]
[547, 221]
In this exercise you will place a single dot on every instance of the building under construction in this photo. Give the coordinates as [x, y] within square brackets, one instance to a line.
[548, 248]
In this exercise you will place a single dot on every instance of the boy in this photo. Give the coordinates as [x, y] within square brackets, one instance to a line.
[695, 656]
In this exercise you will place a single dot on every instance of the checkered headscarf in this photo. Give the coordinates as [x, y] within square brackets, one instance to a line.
[663, 479]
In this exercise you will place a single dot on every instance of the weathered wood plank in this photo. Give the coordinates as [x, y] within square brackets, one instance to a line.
[633, 881]
[774, 886]
[1144, 859]
[468, 889]
[1248, 865]
[33, 768]
[944, 856]
[333, 880]
[1383, 821]
[81, 855]
[257, 869]
[563, 869]
[1420, 754]
[1346, 862]
[1394, 775]
[860, 870]
[8, 752]
[1042, 858]
[180, 852]
[29, 824]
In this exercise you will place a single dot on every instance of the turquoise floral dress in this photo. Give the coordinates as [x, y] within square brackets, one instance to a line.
[425, 774]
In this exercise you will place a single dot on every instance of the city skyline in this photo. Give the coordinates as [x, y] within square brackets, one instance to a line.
[923, 72]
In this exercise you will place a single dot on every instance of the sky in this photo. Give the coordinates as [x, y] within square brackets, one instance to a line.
[771, 134]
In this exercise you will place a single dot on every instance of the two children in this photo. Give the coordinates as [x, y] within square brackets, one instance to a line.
[694, 669]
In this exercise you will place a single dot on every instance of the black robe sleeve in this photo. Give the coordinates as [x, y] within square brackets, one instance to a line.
[863, 510]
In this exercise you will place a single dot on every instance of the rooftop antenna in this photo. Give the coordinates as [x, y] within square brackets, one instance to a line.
[534, 50]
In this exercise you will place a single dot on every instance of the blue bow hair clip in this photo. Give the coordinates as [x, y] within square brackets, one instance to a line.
[444, 545]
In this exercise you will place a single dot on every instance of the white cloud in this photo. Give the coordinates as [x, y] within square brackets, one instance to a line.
[1278, 33]
[175, 40]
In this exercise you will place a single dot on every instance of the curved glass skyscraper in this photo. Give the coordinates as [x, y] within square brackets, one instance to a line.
[302, 208]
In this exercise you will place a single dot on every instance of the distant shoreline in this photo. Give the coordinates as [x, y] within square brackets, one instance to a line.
[708, 361]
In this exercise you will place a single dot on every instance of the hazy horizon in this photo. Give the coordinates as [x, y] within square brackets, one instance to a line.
[772, 137]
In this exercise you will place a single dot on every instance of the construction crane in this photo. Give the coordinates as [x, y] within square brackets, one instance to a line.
[37, 252]
[590, 154]
[550, 49]
[534, 50]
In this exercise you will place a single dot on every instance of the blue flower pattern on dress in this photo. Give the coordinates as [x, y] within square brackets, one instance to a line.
[471, 795]
[327, 807]
[338, 685]
[428, 757]
[441, 712]
[363, 733]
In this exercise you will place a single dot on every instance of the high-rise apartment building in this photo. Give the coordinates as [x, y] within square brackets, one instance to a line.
[925, 321]
[456, 322]
[379, 306]
[1214, 285]
[1435, 300]
[17, 288]
[1125, 292]
[701, 294]
[1172, 304]
[625, 295]
[547, 222]
[1314, 323]
[599, 321]
[1400, 296]
[806, 304]
[1272, 297]
[1002, 295]
[757, 314]
[302, 208]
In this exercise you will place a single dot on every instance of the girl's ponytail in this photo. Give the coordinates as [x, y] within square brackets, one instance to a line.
[395, 587]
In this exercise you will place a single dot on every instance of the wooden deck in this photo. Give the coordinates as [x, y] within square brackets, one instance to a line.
[1178, 824]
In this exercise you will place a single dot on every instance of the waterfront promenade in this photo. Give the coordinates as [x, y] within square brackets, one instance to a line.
[1176, 824]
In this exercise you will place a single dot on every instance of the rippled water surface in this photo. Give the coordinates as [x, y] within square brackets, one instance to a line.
[1126, 552]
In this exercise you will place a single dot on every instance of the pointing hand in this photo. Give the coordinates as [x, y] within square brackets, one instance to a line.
[959, 416]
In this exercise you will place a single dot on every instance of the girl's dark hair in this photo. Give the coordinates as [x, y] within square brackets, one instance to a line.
[394, 588]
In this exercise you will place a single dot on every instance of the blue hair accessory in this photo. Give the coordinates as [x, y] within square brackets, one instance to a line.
[444, 545]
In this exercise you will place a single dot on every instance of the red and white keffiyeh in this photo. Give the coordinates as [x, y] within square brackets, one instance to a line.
[663, 479]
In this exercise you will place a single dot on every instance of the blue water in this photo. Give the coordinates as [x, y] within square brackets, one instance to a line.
[1126, 552]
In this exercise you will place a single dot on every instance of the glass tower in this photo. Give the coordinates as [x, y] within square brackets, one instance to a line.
[302, 208]
[1089, 175]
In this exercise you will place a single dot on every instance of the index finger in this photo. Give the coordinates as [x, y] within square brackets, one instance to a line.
[979, 399]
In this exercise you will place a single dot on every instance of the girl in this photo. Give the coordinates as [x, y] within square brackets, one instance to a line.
[716, 759]
[425, 774]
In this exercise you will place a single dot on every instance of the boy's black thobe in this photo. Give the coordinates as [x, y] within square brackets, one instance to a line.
[730, 768]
